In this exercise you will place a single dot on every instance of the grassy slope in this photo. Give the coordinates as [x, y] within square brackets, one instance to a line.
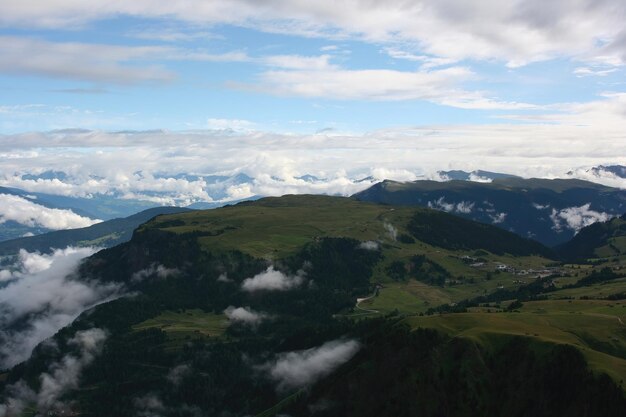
[276, 227]
[596, 327]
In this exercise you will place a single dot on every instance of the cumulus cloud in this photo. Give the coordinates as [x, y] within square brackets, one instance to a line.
[273, 280]
[41, 296]
[61, 377]
[23, 211]
[575, 218]
[245, 315]
[370, 245]
[156, 270]
[464, 207]
[301, 368]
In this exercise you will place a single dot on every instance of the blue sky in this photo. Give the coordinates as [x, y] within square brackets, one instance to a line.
[282, 88]
[133, 68]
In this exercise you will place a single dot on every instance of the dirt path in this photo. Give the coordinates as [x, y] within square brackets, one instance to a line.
[360, 300]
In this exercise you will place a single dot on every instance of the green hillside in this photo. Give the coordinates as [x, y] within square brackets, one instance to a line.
[599, 240]
[237, 310]
[533, 208]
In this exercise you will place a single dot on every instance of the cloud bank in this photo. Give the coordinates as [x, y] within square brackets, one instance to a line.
[40, 296]
[23, 211]
[293, 370]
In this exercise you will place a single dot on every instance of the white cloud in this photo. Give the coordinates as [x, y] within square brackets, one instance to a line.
[464, 207]
[61, 377]
[370, 245]
[298, 369]
[106, 162]
[20, 210]
[157, 270]
[91, 62]
[149, 405]
[245, 315]
[590, 71]
[299, 62]
[316, 78]
[498, 218]
[118, 64]
[224, 278]
[42, 295]
[391, 230]
[230, 124]
[64, 375]
[273, 280]
[516, 32]
[575, 218]
[178, 373]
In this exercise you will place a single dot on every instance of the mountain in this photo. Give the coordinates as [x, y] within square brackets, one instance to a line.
[24, 214]
[599, 240]
[319, 306]
[617, 170]
[105, 234]
[477, 175]
[549, 211]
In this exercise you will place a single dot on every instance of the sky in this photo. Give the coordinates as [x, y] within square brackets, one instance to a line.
[284, 88]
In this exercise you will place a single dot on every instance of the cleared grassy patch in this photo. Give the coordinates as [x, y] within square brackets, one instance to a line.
[187, 325]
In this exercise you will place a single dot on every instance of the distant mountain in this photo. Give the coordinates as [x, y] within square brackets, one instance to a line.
[105, 234]
[617, 170]
[599, 240]
[550, 211]
[97, 206]
[477, 175]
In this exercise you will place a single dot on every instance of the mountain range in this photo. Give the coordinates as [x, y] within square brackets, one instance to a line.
[549, 211]
[317, 306]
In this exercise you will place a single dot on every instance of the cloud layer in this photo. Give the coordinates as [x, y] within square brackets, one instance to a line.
[23, 211]
[39, 296]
